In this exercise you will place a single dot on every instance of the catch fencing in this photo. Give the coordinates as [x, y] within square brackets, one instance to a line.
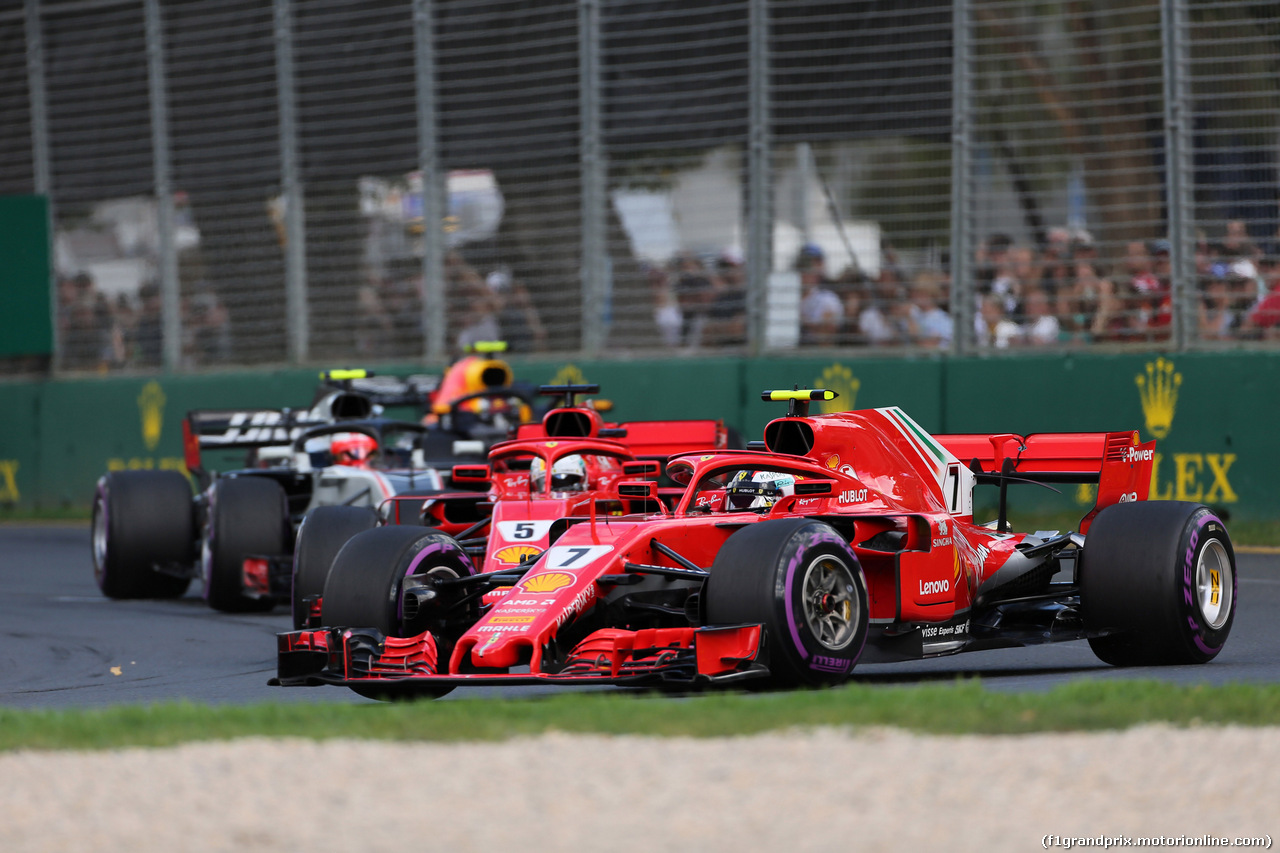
[269, 182]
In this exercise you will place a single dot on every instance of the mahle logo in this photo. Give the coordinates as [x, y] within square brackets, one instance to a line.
[840, 379]
[1158, 390]
[151, 402]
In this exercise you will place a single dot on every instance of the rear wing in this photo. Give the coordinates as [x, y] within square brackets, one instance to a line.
[1117, 462]
[654, 439]
[386, 391]
[232, 429]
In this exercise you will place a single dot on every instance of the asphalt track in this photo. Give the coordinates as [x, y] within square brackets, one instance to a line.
[62, 645]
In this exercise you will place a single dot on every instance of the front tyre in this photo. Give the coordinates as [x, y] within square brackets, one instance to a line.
[142, 521]
[1160, 578]
[247, 516]
[802, 582]
[364, 587]
[323, 532]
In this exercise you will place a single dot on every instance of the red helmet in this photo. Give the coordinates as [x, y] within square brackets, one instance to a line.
[352, 448]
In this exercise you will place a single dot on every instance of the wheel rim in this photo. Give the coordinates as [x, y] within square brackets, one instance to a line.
[99, 542]
[830, 601]
[1215, 584]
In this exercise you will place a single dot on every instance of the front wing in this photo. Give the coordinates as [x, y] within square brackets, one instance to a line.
[365, 658]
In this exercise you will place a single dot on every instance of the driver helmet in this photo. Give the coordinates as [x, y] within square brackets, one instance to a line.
[568, 474]
[352, 448]
[757, 489]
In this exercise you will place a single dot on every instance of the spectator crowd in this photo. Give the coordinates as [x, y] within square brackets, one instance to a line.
[1061, 293]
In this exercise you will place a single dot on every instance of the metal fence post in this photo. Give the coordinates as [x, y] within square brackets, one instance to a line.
[1178, 176]
[42, 180]
[595, 270]
[434, 308]
[297, 323]
[962, 280]
[759, 255]
[171, 314]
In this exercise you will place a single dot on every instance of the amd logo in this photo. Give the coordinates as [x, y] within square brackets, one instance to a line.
[1129, 497]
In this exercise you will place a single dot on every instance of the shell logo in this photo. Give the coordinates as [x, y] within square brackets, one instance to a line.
[549, 582]
[833, 461]
[513, 554]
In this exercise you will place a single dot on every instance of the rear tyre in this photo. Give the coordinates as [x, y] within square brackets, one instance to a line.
[323, 532]
[1160, 577]
[363, 587]
[247, 515]
[141, 520]
[798, 578]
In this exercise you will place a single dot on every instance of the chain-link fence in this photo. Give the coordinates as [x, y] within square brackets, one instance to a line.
[295, 181]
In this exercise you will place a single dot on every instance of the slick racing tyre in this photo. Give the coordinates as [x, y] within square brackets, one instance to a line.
[247, 516]
[800, 580]
[1160, 577]
[142, 520]
[323, 532]
[363, 588]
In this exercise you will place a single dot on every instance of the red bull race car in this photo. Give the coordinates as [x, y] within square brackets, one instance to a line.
[839, 539]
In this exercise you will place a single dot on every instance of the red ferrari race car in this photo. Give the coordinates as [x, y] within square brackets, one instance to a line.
[564, 467]
[845, 538]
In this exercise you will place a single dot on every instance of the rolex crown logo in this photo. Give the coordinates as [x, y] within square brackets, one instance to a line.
[840, 379]
[151, 403]
[570, 374]
[1158, 390]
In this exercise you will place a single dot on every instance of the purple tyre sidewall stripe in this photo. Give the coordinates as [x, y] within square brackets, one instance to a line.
[797, 559]
[418, 559]
[1189, 586]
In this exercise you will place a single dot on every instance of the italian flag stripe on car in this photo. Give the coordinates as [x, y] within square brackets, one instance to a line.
[933, 454]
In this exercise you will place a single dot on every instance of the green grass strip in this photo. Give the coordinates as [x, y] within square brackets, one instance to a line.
[955, 708]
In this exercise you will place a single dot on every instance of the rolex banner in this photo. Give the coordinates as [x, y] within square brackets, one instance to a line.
[1213, 416]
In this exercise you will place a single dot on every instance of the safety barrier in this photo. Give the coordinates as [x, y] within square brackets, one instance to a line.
[1213, 414]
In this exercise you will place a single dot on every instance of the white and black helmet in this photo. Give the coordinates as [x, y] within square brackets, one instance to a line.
[568, 474]
[758, 489]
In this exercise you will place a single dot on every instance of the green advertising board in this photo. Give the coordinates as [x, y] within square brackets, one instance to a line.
[1212, 414]
[26, 327]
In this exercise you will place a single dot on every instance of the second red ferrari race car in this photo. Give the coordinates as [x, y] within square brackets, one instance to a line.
[564, 467]
[846, 538]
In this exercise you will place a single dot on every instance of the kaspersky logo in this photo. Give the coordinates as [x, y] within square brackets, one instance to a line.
[151, 403]
[840, 379]
[1158, 390]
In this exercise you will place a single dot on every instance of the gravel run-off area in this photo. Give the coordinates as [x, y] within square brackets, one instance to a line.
[793, 791]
